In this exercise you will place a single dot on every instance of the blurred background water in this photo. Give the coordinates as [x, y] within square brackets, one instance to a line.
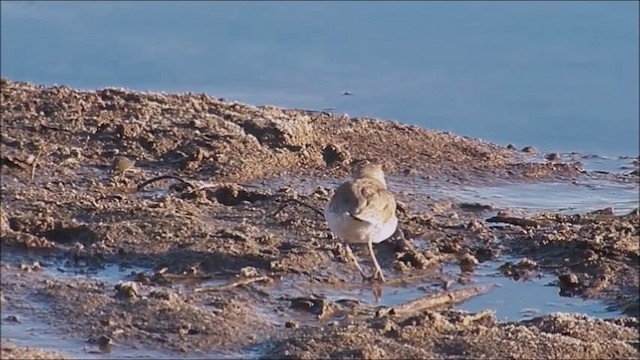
[562, 76]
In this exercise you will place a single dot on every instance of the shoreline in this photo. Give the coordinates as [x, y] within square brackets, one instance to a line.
[604, 153]
[221, 226]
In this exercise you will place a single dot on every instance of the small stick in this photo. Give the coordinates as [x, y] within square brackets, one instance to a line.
[408, 280]
[163, 177]
[318, 211]
[34, 164]
[424, 303]
[234, 284]
[513, 221]
[559, 266]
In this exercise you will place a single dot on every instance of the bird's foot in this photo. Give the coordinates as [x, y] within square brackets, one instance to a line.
[377, 275]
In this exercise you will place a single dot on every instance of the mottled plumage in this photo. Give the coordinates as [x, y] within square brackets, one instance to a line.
[363, 211]
[122, 164]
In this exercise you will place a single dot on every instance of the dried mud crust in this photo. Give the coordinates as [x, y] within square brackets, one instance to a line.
[451, 335]
[67, 131]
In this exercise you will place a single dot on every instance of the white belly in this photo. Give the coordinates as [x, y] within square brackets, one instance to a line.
[359, 232]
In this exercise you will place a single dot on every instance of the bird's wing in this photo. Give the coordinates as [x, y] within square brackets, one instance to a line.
[344, 200]
[375, 203]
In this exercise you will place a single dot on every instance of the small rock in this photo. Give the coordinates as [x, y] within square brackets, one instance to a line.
[249, 271]
[475, 206]
[12, 319]
[468, 262]
[569, 280]
[511, 147]
[552, 157]
[104, 343]
[527, 263]
[29, 268]
[333, 154]
[504, 213]
[529, 150]
[76, 152]
[291, 325]
[401, 207]
[128, 130]
[605, 211]
[321, 191]
[192, 270]
[409, 172]
[475, 225]
[127, 290]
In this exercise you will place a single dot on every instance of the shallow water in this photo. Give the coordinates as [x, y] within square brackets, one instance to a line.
[524, 299]
[511, 300]
[567, 198]
[562, 76]
[30, 332]
[581, 196]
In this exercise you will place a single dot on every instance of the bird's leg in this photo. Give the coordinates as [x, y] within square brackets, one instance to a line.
[378, 273]
[355, 260]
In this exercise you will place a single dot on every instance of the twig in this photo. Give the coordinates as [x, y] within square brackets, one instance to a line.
[560, 266]
[286, 202]
[163, 177]
[34, 164]
[54, 128]
[447, 298]
[513, 221]
[234, 284]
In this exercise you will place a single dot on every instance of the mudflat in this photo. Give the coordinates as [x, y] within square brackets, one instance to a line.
[187, 225]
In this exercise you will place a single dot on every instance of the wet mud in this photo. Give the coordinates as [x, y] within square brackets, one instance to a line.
[207, 241]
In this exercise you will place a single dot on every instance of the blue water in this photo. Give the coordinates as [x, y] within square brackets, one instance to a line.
[562, 76]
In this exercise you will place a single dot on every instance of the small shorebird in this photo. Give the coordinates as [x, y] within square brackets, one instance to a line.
[121, 165]
[363, 211]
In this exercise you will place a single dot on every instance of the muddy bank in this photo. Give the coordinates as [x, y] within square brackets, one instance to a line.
[450, 335]
[213, 139]
[220, 259]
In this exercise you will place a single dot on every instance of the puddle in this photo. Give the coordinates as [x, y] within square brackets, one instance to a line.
[392, 295]
[510, 299]
[525, 299]
[59, 268]
[30, 333]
